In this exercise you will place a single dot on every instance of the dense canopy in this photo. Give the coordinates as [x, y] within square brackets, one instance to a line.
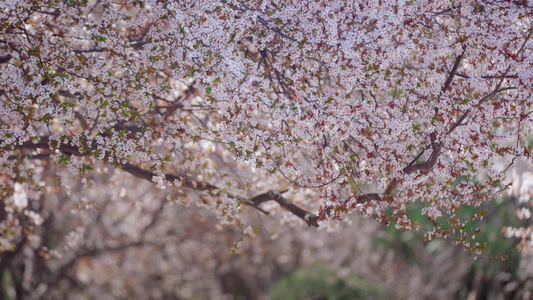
[352, 106]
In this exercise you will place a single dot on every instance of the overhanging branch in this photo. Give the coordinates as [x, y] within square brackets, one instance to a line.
[64, 148]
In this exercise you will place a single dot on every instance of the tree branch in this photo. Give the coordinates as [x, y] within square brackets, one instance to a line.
[454, 70]
[427, 165]
[309, 218]
[44, 143]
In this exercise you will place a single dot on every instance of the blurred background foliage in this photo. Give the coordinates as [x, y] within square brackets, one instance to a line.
[495, 274]
[180, 253]
[319, 283]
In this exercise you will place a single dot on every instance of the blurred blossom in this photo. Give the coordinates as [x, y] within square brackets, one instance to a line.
[20, 198]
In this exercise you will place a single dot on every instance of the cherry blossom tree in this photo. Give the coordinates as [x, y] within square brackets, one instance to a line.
[322, 108]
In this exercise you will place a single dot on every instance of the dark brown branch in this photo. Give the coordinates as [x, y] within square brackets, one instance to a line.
[489, 76]
[418, 157]
[454, 70]
[5, 59]
[427, 165]
[460, 122]
[495, 92]
[309, 218]
[149, 175]
[44, 143]
[88, 50]
[368, 197]
[390, 187]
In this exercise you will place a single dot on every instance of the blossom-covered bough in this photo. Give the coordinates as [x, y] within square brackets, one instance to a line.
[355, 106]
